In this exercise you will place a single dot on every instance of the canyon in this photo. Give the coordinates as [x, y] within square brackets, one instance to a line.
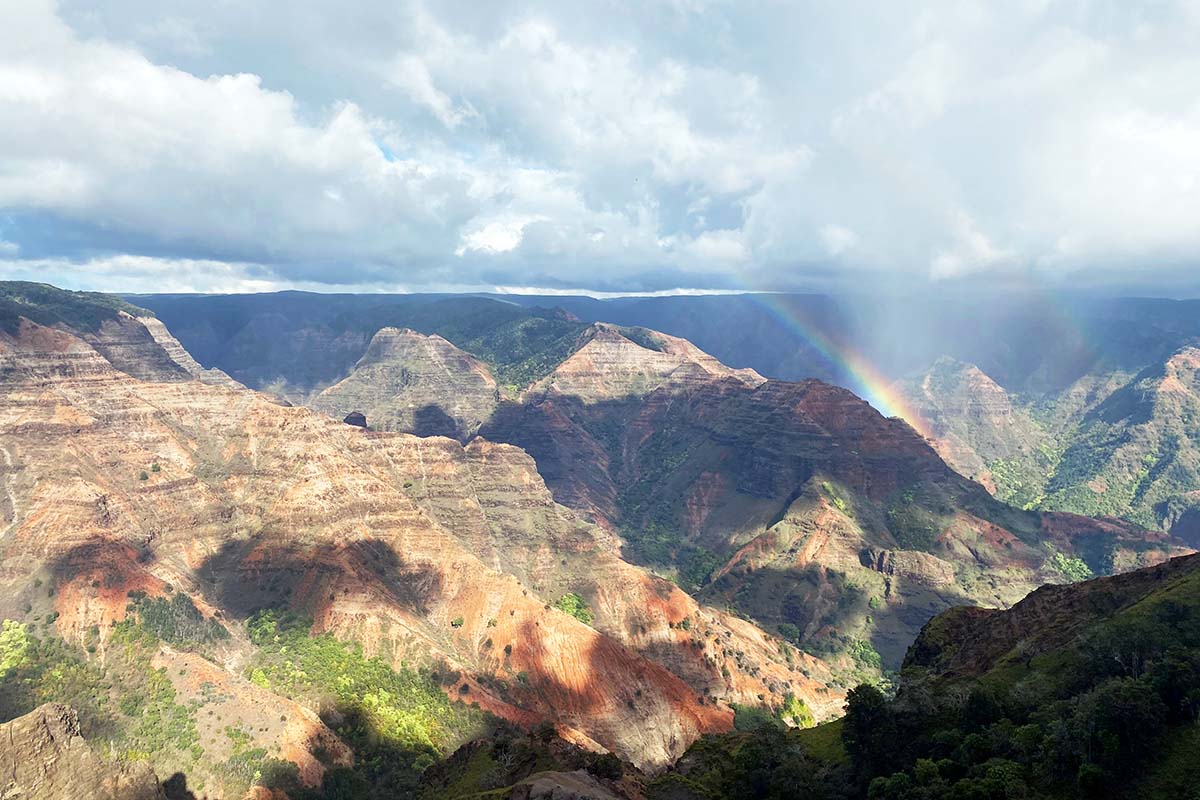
[587, 526]
[426, 553]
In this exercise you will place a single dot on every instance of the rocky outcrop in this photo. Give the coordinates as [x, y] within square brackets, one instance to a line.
[610, 365]
[181, 357]
[576, 785]
[970, 641]
[43, 756]
[415, 384]
[127, 344]
[978, 428]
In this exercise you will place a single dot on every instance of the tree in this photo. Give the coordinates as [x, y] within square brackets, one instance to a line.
[1118, 722]
[869, 732]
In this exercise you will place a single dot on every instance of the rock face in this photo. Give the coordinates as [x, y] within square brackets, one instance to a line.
[981, 431]
[43, 756]
[493, 498]
[1112, 443]
[416, 384]
[423, 551]
[127, 344]
[181, 357]
[613, 363]
[561, 786]
[796, 503]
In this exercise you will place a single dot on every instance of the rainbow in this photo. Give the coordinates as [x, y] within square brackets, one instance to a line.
[869, 382]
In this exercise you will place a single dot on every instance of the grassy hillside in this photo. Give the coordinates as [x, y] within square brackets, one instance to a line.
[1109, 445]
[1086, 691]
[47, 305]
[1137, 454]
[396, 723]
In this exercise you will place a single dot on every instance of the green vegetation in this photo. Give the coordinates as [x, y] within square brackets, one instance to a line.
[865, 655]
[643, 337]
[527, 350]
[47, 305]
[1020, 483]
[657, 545]
[14, 647]
[520, 345]
[176, 621]
[789, 631]
[766, 762]
[917, 516]
[489, 768]
[1097, 717]
[753, 718]
[824, 742]
[1112, 711]
[125, 706]
[35, 671]
[571, 603]
[796, 712]
[397, 722]
[1071, 568]
[1136, 455]
[161, 724]
[835, 497]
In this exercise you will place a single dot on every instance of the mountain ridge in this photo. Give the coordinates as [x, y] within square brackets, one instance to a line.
[1084, 690]
[1114, 445]
[125, 494]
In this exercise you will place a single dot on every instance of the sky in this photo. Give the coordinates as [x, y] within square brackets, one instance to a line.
[160, 145]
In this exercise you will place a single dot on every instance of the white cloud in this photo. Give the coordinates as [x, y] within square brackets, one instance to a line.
[497, 236]
[98, 134]
[837, 239]
[410, 74]
[140, 273]
[660, 145]
[972, 251]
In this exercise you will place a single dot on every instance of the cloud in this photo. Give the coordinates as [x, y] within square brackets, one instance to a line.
[410, 75]
[124, 273]
[973, 251]
[650, 147]
[837, 239]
